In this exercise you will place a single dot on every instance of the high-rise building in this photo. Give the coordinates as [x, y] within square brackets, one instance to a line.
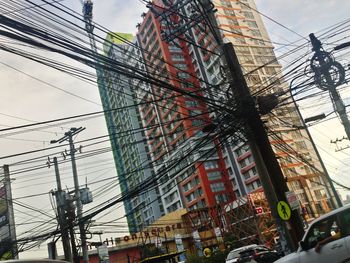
[189, 163]
[130, 149]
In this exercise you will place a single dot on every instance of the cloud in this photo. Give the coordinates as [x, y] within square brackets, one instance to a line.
[304, 17]
[119, 16]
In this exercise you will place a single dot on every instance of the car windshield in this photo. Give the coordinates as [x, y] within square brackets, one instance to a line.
[232, 255]
[246, 253]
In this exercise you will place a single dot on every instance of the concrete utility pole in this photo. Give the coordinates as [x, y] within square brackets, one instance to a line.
[70, 213]
[329, 74]
[60, 200]
[270, 173]
[11, 217]
[69, 136]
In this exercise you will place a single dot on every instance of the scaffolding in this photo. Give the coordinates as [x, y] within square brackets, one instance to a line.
[247, 220]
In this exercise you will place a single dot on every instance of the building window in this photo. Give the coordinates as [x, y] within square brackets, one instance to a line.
[237, 193]
[174, 48]
[214, 175]
[190, 197]
[233, 22]
[211, 165]
[229, 12]
[194, 195]
[248, 14]
[243, 50]
[197, 123]
[233, 182]
[191, 103]
[174, 207]
[226, 3]
[217, 187]
[256, 33]
[252, 24]
[246, 176]
[302, 197]
[272, 71]
[177, 57]
[253, 170]
[295, 185]
[316, 182]
[258, 183]
[300, 145]
[250, 187]
[319, 194]
[246, 161]
[187, 186]
[221, 198]
[171, 197]
[181, 66]
[183, 75]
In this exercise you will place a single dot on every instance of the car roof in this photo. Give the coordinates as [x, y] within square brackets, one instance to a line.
[245, 247]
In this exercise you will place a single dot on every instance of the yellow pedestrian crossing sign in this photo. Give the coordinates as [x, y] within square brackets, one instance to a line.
[284, 210]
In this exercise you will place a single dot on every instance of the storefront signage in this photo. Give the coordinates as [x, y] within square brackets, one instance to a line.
[146, 235]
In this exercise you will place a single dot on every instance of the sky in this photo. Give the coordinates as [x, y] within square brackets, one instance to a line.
[33, 93]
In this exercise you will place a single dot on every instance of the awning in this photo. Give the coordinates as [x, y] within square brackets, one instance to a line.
[161, 257]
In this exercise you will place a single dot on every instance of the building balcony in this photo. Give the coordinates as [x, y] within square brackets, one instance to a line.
[251, 179]
[247, 168]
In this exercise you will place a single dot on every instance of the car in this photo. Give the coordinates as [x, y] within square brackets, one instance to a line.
[233, 256]
[326, 240]
[252, 253]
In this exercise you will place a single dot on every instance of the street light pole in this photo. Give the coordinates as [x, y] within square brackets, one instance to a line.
[334, 197]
